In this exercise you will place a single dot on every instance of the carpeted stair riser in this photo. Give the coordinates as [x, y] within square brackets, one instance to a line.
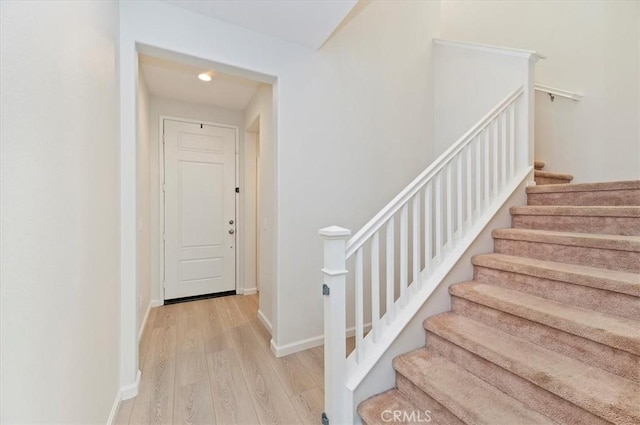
[604, 253]
[533, 396]
[619, 221]
[609, 330]
[586, 194]
[613, 360]
[605, 225]
[610, 280]
[576, 385]
[605, 301]
[422, 401]
[584, 199]
[597, 257]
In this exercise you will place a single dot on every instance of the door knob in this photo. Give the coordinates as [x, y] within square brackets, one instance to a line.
[231, 231]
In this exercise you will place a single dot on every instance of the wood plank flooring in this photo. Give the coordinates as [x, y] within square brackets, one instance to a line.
[209, 362]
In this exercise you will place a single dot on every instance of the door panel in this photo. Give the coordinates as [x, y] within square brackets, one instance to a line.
[199, 206]
[201, 212]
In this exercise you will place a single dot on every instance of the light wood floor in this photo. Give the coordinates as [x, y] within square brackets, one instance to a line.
[209, 362]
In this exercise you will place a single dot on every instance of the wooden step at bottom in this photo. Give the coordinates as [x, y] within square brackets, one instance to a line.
[463, 394]
[613, 252]
[547, 177]
[600, 194]
[565, 380]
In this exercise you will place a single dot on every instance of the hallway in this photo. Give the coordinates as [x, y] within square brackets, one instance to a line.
[209, 362]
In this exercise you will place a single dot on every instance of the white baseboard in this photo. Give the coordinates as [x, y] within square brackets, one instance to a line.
[265, 321]
[156, 303]
[294, 347]
[115, 408]
[131, 390]
[247, 291]
[305, 344]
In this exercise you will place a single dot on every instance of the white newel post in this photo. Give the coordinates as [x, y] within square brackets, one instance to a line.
[334, 290]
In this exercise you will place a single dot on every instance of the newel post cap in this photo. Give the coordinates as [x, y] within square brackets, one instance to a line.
[335, 232]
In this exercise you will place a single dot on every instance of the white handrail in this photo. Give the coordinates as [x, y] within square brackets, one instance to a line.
[553, 91]
[408, 192]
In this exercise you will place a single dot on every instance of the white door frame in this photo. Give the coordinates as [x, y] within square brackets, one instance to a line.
[239, 205]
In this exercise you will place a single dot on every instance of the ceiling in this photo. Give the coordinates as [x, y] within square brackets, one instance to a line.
[179, 81]
[305, 22]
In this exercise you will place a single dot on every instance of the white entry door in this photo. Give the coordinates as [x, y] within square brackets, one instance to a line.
[200, 181]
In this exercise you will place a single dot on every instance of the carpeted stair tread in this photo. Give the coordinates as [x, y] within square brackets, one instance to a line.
[611, 280]
[584, 187]
[604, 394]
[538, 165]
[578, 211]
[371, 410]
[614, 242]
[617, 332]
[552, 175]
[465, 395]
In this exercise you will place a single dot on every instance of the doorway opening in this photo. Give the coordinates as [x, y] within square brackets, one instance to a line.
[201, 183]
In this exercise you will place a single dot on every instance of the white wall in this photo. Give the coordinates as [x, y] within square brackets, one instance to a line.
[59, 304]
[591, 48]
[165, 107]
[463, 98]
[348, 116]
[354, 128]
[261, 109]
[144, 202]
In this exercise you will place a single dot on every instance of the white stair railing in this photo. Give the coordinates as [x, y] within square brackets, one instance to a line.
[406, 250]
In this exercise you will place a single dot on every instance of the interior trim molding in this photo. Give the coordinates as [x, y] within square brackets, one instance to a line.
[247, 291]
[130, 391]
[305, 344]
[115, 408]
[265, 321]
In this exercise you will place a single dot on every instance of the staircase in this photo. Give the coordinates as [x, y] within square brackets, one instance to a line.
[547, 332]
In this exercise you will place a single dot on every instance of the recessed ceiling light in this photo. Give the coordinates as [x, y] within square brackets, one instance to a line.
[206, 76]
